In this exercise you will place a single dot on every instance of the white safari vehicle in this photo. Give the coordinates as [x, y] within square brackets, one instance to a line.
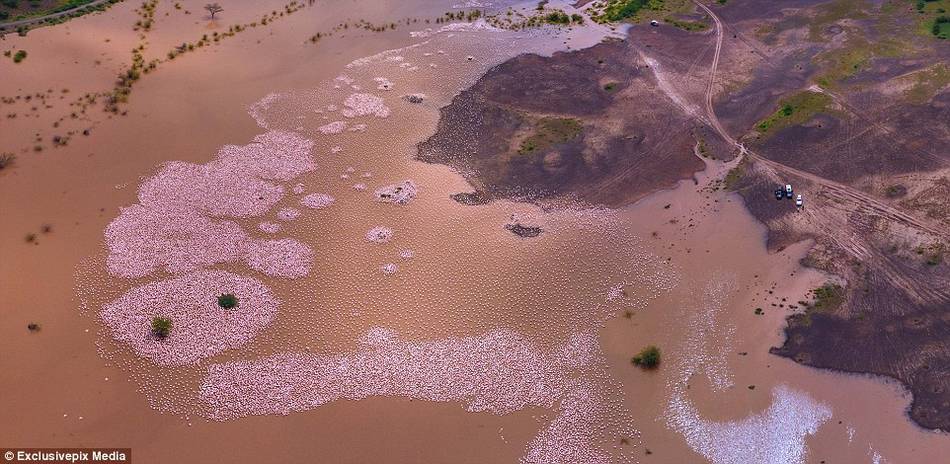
[799, 201]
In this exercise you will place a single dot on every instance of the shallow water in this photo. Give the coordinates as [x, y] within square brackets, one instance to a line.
[517, 348]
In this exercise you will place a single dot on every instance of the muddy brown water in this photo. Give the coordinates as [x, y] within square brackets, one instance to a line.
[691, 288]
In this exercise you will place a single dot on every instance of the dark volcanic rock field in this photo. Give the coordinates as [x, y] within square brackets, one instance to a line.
[589, 124]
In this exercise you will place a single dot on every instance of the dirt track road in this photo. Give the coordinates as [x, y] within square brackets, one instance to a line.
[856, 200]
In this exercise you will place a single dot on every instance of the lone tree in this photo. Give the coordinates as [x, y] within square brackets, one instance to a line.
[214, 9]
[161, 326]
[649, 358]
[227, 301]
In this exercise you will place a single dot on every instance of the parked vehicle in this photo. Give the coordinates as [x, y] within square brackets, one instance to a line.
[799, 201]
[788, 191]
[779, 194]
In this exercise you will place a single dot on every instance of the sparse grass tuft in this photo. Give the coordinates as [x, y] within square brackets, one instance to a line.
[933, 254]
[828, 297]
[689, 26]
[794, 110]
[895, 191]
[832, 12]
[735, 175]
[548, 132]
[928, 83]
[842, 63]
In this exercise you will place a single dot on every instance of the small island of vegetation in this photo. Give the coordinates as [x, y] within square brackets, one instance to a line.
[161, 327]
[227, 301]
[648, 358]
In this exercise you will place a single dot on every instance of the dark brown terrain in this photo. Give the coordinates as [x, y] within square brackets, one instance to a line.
[846, 100]
[591, 124]
[871, 157]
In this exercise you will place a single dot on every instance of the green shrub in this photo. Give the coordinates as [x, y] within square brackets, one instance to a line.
[941, 27]
[161, 326]
[648, 358]
[227, 301]
[19, 56]
[557, 17]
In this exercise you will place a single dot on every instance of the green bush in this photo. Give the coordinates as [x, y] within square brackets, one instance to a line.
[161, 326]
[19, 56]
[557, 17]
[941, 27]
[227, 301]
[648, 358]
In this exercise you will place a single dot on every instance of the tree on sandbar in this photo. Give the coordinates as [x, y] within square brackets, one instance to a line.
[214, 9]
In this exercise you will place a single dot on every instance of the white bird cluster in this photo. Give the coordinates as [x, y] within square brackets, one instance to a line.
[200, 327]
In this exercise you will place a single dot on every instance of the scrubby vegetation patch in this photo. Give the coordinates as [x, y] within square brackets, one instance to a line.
[795, 110]
[548, 132]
